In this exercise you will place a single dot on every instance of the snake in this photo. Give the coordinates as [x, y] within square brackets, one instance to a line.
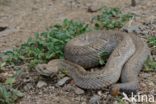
[127, 51]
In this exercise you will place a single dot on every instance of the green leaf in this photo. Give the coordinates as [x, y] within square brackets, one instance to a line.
[152, 40]
[2, 64]
[103, 56]
[18, 93]
[10, 81]
[111, 18]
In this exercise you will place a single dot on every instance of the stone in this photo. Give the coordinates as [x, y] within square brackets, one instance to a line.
[95, 99]
[133, 28]
[145, 32]
[68, 88]
[115, 102]
[142, 85]
[83, 103]
[41, 84]
[7, 31]
[63, 81]
[94, 7]
[28, 87]
[151, 83]
[100, 93]
[146, 75]
[79, 91]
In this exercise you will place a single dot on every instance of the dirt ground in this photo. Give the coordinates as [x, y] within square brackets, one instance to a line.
[25, 17]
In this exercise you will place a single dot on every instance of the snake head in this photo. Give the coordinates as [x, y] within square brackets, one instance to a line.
[49, 70]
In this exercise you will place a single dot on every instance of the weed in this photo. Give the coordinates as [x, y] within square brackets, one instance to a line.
[152, 41]
[120, 100]
[8, 95]
[46, 45]
[111, 18]
[103, 56]
[150, 64]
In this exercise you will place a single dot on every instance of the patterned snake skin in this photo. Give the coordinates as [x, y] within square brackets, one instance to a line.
[128, 54]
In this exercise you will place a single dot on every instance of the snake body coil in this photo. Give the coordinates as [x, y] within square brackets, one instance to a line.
[126, 60]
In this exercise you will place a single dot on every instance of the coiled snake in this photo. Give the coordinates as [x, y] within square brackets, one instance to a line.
[128, 54]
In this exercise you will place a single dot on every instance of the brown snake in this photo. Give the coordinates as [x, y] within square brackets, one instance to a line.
[126, 60]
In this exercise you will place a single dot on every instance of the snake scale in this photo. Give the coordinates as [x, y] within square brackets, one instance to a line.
[128, 54]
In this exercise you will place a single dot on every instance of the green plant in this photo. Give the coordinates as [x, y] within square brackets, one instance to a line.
[111, 18]
[120, 100]
[103, 56]
[150, 65]
[9, 95]
[46, 45]
[152, 41]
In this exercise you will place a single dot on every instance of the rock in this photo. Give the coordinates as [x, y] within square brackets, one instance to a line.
[95, 99]
[63, 81]
[79, 91]
[83, 103]
[133, 28]
[145, 32]
[40, 93]
[146, 75]
[28, 86]
[7, 31]
[151, 83]
[68, 88]
[41, 84]
[115, 102]
[100, 93]
[142, 27]
[142, 85]
[94, 7]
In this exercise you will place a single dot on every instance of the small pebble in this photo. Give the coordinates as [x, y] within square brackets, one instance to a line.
[146, 75]
[95, 99]
[151, 83]
[79, 91]
[68, 88]
[142, 85]
[28, 86]
[41, 84]
[115, 102]
[63, 81]
[83, 103]
[100, 93]
[134, 28]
